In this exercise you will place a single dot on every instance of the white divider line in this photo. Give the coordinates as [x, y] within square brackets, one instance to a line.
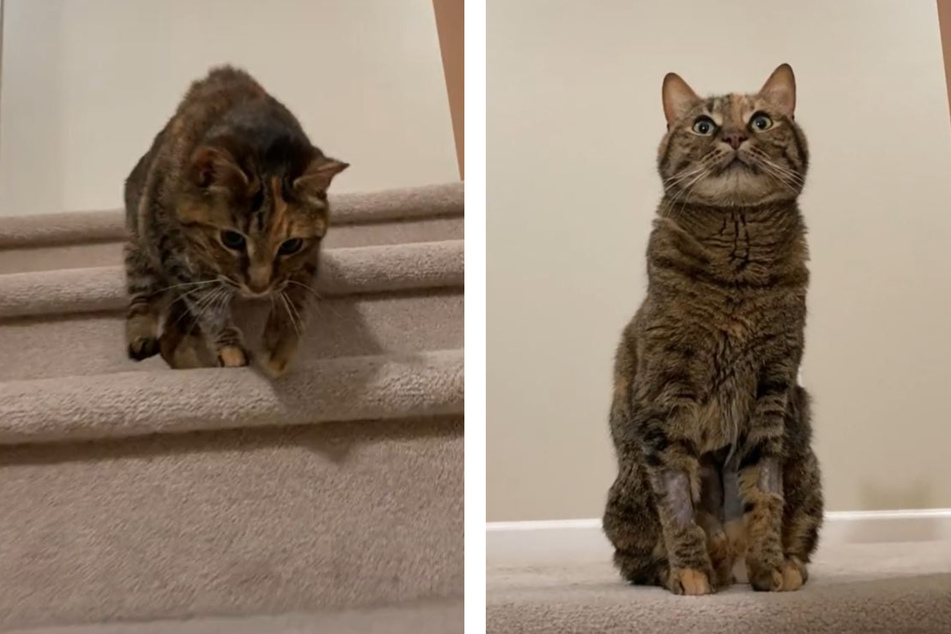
[583, 538]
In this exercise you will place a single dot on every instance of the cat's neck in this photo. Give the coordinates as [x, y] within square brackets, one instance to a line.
[702, 220]
[771, 234]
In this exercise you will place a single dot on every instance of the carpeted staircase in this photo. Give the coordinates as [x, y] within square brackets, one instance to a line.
[130, 492]
[867, 588]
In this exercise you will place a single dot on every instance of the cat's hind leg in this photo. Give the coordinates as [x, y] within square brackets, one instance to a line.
[632, 525]
[802, 490]
[710, 518]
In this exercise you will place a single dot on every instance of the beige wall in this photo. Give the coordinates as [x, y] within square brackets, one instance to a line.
[574, 117]
[87, 83]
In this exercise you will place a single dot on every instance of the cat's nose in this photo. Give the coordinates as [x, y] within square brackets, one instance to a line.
[258, 289]
[259, 279]
[734, 139]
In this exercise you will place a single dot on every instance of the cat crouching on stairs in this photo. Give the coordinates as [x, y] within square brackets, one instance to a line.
[711, 429]
[231, 199]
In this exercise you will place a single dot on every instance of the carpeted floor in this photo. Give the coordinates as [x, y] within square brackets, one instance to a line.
[131, 492]
[861, 588]
[438, 618]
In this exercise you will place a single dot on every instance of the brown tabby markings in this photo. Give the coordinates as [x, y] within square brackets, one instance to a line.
[230, 199]
[711, 431]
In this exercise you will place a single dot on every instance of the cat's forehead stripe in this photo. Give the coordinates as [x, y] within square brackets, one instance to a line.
[279, 209]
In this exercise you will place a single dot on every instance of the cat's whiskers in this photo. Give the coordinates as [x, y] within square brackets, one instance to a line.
[703, 163]
[300, 318]
[185, 285]
[289, 314]
[317, 295]
[199, 308]
[683, 194]
[682, 176]
[771, 170]
[779, 170]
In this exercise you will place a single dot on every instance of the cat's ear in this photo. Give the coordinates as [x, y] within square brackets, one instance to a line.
[678, 98]
[780, 90]
[215, 168]
[317, 177]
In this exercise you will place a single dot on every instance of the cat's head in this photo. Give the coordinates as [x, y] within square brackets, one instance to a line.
[734, 150]
[254, 220]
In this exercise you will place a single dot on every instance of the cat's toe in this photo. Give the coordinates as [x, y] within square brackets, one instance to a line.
[233, 357]
[794, 574]
[690, 582]
[766, 578]
[143, 347]
[274, 367]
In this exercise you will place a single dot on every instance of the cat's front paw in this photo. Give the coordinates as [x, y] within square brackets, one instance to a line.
[275, 366]
[233, 357]
[768, 576]
[143, 347]
[690, 582]
[794, 574]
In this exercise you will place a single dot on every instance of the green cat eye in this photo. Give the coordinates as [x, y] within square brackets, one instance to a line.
[289, 247]
[233, 240]
[761, 122]
[704, 126]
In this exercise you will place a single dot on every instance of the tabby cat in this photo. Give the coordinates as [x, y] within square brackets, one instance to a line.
[230, 200]
[711, 429]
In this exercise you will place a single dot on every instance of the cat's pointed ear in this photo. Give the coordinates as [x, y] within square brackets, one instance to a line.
[317, 177]
[678, 98]
[214, 168]
[780, 90]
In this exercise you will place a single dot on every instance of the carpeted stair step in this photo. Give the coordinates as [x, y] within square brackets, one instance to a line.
[351, 326]
[133, 492]
[853, 589]
[389, 268]
[94, 239]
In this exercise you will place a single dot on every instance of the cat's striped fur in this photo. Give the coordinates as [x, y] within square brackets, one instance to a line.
[711, 429]
[230, 199]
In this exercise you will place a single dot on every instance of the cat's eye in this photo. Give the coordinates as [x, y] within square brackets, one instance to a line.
[761, 122]
[290, 247]
[704, 126]
[233, 240]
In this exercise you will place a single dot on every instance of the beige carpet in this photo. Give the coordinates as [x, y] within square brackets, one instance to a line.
[861, 588]
[439, 618]
[131, 492]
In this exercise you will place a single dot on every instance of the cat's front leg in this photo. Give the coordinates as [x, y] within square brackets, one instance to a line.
[285, 327]
[674, 468]
[144, 286]
[212, 312]
[760, 483]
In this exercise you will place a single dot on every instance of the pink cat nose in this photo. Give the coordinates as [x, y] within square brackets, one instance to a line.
[735, 139]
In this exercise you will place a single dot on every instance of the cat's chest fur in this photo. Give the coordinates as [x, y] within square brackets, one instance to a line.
[730, 297]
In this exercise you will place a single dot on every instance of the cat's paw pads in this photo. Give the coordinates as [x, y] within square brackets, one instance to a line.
[143, 347]
[233, 357]
[690, 582]
[274, 367]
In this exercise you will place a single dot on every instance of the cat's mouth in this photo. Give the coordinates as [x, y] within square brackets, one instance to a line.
[247, 293]
[737, 163]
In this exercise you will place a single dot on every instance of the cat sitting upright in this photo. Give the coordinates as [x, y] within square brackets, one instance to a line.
[711, 430]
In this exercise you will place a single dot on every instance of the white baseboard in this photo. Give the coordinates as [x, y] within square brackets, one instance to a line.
[583, 539]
